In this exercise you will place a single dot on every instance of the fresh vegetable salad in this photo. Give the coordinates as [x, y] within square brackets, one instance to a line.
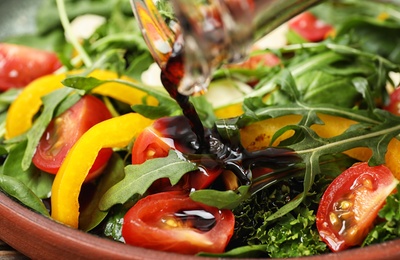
[302, 148]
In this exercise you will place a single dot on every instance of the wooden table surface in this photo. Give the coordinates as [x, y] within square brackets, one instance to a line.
[8, 253]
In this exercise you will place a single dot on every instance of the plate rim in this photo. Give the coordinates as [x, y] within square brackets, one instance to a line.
[39, 237]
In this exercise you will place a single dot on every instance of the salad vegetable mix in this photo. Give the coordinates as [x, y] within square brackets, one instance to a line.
[304, 148]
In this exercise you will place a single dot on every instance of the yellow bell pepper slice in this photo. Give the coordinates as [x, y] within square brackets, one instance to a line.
[27, 104]
[229, 111]
[258, 135]
[113, 133]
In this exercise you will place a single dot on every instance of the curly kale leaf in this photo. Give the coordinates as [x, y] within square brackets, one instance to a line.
[292, 235]
[389, 229]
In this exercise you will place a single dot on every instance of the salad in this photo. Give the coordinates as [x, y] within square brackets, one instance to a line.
[301, 140]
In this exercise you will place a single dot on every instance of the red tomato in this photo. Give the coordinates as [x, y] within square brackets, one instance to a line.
[394, 104]
[265, 59]
[19, 65]
[148, 145]
[204, 177]
[171, 221]
[156, 141]
[310, 27]
[63, 132]
[351, 203]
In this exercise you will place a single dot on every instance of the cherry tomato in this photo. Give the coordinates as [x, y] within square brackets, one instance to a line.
[148, 145]
[351, 203]
[166, 134]
[63, 132]
[394, 104]
[20, 65]
[310, 27]
[264, 59]
[171, 221]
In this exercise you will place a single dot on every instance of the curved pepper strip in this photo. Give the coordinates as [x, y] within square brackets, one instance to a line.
[113, 133]
[258, 135]
[27, 104]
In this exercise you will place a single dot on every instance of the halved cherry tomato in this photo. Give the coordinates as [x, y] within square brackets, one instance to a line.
[63, 132]
[351, 203]
[394, 103]
[166, 134]
[20, 65]
[310, 27]
[149, 145]
[171, 221]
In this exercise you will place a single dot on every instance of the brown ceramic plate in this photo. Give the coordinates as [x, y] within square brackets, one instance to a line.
[39, 237]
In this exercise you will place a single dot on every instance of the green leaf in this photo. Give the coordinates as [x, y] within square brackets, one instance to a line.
[113, 224]
[293, 235]
[34, 179]
[19, 191]
[91, 216]
[83, 83]
[221, 199]
[50, 103]
[229, 131]
[389, 227]
[286, 208]
[205, 110]
[138, 178]
[166, 107]
[376, 128]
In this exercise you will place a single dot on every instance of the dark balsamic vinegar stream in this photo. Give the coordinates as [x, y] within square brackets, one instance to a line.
[170, 78]
[229, 156]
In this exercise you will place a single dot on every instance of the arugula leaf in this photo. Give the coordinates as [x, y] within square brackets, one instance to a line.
[221, 199]
[138, 178]
[37, 181]
[91, 216]
[52, 106]
[113, 224]
[16, 189]
[50, 103]
[166, 107]
[312, 147]
[204, 110]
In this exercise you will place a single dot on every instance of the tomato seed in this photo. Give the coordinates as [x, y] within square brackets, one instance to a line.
[334, 220]
[345, 205]
[367, 183]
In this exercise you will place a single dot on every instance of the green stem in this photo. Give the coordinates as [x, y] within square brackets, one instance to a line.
[68, 30]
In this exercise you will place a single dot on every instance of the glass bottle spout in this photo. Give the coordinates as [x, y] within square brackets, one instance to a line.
[213, 32]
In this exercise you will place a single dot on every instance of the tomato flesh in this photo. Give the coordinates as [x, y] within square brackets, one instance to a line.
[148, 145]
[63, 132]
[171, 221]
[310, 27]
[20, 65]
[351, 203]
